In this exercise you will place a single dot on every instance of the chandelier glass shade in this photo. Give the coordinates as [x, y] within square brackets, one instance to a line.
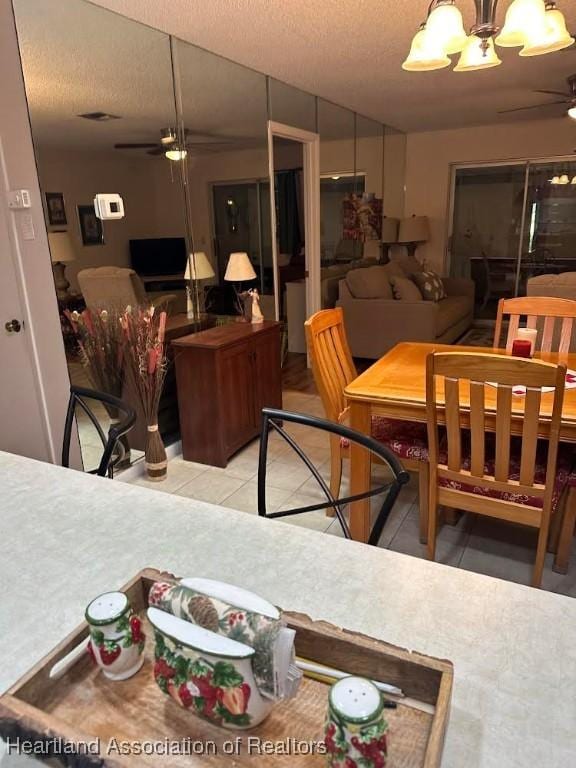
[535, 26]
[477, 54]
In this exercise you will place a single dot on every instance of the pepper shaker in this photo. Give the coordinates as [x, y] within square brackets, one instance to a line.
[116, 638]
[355, 733]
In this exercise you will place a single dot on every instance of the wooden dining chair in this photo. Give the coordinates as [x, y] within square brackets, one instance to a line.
[333, 369]
[556, 317]
[519, 479]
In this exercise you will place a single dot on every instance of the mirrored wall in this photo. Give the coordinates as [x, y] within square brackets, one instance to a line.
[182, 135]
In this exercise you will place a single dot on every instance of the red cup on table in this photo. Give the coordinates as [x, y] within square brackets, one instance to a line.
[522, 348]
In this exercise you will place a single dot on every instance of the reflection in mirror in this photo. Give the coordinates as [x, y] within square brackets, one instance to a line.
[291, 106]
[100, 95]
[224, 114]
[394, 191]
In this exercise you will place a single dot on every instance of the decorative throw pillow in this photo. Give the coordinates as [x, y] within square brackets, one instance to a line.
[405, 290]
[430, 285]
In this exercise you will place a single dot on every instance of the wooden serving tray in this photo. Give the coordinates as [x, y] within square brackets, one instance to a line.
[83, 706]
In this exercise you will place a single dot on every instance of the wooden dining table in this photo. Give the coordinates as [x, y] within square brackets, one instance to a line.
[395, 386]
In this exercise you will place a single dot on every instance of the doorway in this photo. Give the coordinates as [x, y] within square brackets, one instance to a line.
[294, 173]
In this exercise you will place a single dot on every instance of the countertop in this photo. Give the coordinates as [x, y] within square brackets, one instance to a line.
[66, 536]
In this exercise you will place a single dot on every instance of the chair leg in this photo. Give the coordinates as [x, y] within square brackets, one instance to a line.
[335, 476]
[423, 491]
[432, 521]
[566, 534]
[556, 524]
[451, 516]
[540, 553]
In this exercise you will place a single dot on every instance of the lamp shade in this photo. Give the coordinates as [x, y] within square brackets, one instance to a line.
[524, 18]
[198, 267]
[552, 36]
[390, 230]
[446, 27]
[60, 247]
[426, 54]
[239, 268]
[477, 56]
[416, 229]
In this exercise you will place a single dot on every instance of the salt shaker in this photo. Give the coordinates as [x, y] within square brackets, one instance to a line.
[116, 638]
[355, 733]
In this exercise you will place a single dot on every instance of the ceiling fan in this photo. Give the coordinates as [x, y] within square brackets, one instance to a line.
[567, 98]
[170, 146]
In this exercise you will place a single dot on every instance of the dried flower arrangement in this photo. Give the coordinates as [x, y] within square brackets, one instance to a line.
[101, 347]
[145, 358]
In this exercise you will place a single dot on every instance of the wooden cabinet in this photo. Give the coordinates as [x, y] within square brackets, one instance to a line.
[224, 377]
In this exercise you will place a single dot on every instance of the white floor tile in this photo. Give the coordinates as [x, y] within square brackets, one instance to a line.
[246, 498]
[211, 486]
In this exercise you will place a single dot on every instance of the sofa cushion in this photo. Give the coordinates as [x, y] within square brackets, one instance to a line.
[405, 289]
[450, 311]
[369, 283]
[430, 285]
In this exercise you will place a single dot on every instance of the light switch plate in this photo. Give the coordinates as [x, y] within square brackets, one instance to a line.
[19, 199]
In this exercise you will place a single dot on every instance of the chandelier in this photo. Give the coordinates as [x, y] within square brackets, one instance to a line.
[535, 26]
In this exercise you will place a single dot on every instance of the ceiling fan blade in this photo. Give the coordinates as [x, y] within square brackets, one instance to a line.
[135, 146]
[554, 93]
[533, 106]
[158, 150]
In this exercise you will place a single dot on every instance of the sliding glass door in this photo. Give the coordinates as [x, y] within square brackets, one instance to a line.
[512, 222]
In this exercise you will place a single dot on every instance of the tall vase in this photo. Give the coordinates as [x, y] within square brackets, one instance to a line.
[155, 455]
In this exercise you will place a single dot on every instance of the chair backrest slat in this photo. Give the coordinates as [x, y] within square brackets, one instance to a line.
[482, 372]
[530, 435]
[452, 404]
[548, 334]
[565, 335]
[503, 428]
[332, 363]
[536, 308]
[477, 428]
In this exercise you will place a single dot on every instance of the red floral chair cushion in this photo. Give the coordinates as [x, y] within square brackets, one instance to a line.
[407, 439]
[563, 476]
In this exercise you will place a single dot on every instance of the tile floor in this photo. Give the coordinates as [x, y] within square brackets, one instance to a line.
[476, 544]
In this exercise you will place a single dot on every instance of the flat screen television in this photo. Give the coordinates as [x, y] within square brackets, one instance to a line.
[158, 256]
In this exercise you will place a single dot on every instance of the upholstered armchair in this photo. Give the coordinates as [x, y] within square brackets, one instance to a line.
[119, 287]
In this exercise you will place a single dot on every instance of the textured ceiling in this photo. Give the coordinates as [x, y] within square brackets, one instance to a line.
[78, 58]
[351, 52]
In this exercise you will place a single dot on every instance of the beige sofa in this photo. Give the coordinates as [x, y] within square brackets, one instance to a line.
[561, 286]
[374, 325]
[120, 287]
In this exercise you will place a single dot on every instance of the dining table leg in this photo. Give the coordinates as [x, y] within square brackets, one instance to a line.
[360, 462]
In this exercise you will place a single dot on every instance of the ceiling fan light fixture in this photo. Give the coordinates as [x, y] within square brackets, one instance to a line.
[176, 154]
[525, 19]
[446, 27]
[564, 179]
[553, 37]
[425, 54]
[477, 54]
[572, 112]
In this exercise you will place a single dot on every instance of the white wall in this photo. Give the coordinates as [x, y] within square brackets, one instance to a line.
[36, 299]
[430, 154]
[152, 199]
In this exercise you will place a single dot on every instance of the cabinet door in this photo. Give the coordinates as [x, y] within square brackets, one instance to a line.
[268, 373]
[237, 396]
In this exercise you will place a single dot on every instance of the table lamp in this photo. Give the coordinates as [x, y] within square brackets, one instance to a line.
[413, 231]
[198, 268]
[239, 270]
[61, 254]
[389, 237]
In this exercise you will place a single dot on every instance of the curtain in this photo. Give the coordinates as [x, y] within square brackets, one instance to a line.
[289, 232]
